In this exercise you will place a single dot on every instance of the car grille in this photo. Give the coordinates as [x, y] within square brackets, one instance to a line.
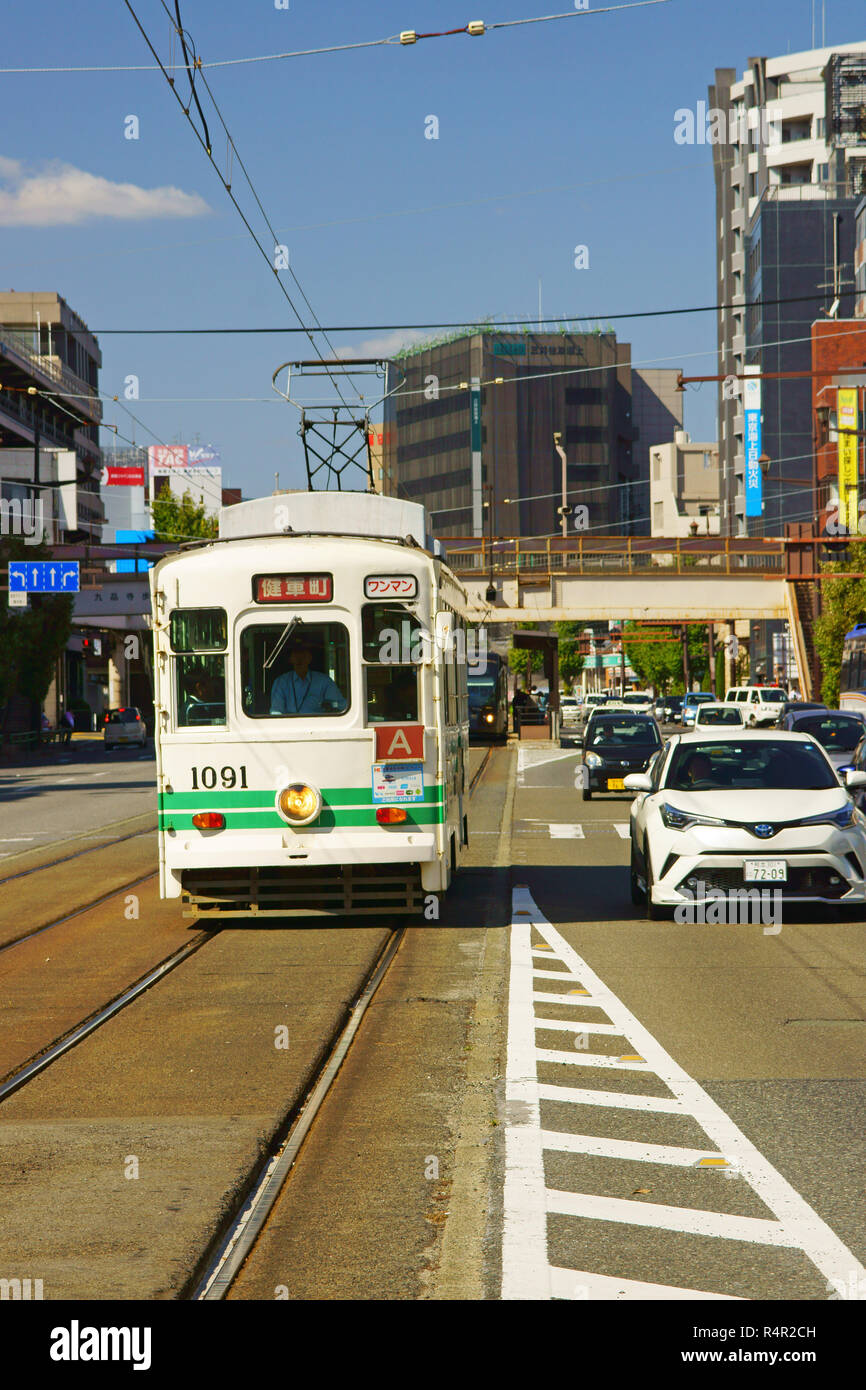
[804, 881]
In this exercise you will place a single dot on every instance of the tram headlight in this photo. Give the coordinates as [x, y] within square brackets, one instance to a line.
[299, 803]
[488, 718]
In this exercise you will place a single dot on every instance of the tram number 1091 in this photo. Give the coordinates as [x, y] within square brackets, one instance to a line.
[227, 777]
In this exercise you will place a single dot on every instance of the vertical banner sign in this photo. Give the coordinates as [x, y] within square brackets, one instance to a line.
[846, 416]
[752, 418]
[475, 445]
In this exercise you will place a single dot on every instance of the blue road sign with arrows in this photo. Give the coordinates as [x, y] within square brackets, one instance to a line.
[44, 576]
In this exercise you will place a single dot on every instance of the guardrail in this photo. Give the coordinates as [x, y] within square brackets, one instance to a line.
[539, 558]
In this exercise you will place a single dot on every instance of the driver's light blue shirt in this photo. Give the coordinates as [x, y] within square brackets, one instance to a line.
[294, 694]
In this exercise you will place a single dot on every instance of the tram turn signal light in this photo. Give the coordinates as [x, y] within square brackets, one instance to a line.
[209, 820]
[390, 815]
[299, 804]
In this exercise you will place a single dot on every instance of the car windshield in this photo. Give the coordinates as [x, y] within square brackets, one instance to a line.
[123, 716]
[700, 698]
[773, 697]
[833, 731]
[720, 716]
[614, 732]
[753, 765]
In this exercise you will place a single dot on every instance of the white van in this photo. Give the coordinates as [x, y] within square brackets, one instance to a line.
[762, 704]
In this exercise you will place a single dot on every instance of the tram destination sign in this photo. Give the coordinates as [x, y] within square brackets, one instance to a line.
[293, 588]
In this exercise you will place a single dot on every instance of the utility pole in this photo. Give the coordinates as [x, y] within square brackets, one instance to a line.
[687, 679]
[711, 659]
[564, 509]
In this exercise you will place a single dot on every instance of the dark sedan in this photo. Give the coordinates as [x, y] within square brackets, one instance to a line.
[617, 744]
[795, 707]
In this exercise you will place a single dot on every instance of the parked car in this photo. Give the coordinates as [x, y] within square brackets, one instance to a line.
[615, 744]
[763, 702]
[714, 715]
[124, 726]
[754, 808]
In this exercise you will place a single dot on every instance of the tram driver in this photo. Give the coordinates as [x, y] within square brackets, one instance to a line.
[305, 691]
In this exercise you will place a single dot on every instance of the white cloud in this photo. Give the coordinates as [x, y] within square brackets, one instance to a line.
[386, 346]
[65, 196]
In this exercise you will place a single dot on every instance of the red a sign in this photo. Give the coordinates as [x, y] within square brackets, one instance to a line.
[399, 743]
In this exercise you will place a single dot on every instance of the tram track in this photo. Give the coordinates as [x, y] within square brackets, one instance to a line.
[77, 912]
[78, 854]
[225, 1257]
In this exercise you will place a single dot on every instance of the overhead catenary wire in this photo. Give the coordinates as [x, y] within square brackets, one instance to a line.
[208, 152]
[474, 29]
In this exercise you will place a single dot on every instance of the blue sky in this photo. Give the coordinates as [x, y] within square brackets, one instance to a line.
[550, 136]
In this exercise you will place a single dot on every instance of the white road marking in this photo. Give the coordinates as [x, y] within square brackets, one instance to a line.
[539, 997]
[15, 839]
[528, 1203]
[566, 832]
[579, 1283]
[623, 831]
[529, 758]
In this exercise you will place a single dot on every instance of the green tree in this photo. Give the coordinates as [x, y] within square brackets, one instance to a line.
[660, 663]
[843, 603]
[32, 638]
[520, 660]
[570, 658]
[179, 519]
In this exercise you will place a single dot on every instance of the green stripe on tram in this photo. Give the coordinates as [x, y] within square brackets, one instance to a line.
[252, 800]
[416, 815]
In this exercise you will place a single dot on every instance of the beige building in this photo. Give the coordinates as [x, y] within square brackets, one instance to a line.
[684, 488]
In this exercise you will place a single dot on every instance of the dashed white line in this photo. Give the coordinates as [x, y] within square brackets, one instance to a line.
[526, 1272]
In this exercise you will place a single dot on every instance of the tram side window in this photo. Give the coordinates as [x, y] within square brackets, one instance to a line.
[198, 637]
[393, 646]
[291, 670]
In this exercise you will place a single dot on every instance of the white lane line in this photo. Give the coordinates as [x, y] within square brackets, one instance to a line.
[580, 1284]
[525, 1270]
[566, 832]
[623, 831]
[588, 1059]
[599, 1147]
[15, 839]
[571, 1025]
[556, 975]
[585, 1000]
[613, 1100]
[753, 1229]
[796, 1224]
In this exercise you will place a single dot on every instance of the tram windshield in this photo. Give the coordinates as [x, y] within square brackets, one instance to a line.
[304, 675]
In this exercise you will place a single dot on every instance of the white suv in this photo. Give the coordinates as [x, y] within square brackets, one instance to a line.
[761, 704]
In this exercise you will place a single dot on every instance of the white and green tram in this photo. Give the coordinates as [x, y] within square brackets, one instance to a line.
[312, 724]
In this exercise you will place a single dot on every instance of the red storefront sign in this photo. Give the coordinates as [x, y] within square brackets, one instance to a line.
[123, 477]
[399, 743]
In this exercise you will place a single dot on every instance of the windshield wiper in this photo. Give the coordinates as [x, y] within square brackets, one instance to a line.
[284, 637]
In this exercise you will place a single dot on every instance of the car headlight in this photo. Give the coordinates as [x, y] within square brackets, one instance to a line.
[843, 819]
[593, 760]
[675, 819]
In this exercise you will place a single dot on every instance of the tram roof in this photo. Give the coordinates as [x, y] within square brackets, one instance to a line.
[326, 513]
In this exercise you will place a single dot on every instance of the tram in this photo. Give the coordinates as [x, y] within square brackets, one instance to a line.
[312, 722]
[488, 698]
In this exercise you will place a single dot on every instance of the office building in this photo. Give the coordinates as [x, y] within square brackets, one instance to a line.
[790, 171]
[684, 488]
[474, 428]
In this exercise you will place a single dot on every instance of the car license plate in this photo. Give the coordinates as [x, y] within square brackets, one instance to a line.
[616, 784]
[765, 871]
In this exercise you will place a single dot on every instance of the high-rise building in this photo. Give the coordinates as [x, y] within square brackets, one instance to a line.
[789, 153]
[49, 392]
[475, 425]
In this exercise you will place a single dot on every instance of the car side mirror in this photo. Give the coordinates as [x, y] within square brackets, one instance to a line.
[855, 779]
[639, 782]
